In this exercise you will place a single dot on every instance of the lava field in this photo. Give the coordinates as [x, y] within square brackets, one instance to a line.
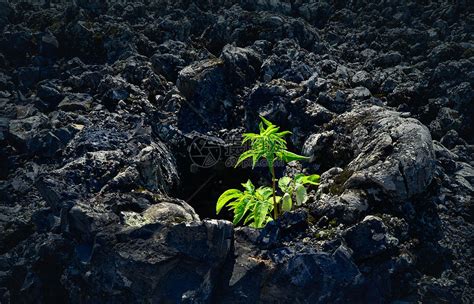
[121, 123]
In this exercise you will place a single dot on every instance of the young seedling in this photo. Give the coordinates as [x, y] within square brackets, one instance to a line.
[252, 205]
[270, 145]
[255, 205]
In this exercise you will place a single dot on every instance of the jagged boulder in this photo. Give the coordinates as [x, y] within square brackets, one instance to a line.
[173, 263]
[383, 155]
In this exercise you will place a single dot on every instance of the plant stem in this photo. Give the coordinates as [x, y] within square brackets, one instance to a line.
[275, 206]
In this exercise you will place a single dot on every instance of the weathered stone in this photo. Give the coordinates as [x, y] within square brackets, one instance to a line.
[76, 102]
[369, 238]
[202, 83]
[241, 65]
[397, 157]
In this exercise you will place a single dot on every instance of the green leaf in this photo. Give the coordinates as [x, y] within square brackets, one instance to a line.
[268, 220]
[284, 183]
[248, 186]
[271, 130]
[264, 192]
[255, 158]
[241, 209]
[226, 197]
[301, 194]
[266, 122]
[283, 133]
[288, 156]
[260, 213]
[261, 128]
[248, 219]
[244, 156]
[307, 179]
[286, 203]
[313, 179]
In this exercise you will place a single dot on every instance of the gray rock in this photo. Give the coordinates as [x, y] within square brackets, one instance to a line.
[76, 102]
[15, 225]
[465, 176]
[452, 139]
[49, 45]
[318, 146]
[318, 114]
[86, 220]
[162, 213]
[50, 95]
[22, 130]
[389, 59]
[179, 263]
[114, 89]
[4, 123]
[88, 80]
[242, 65]
[313, 277]
[6, 12]
[369, 238]
[446, 120]
[444, 52]
[346, 207]
[47, 143]
[364, 79]
[28, 76]
[289, 62]
[282, 229]
[395, 161]
[303, 273]
[397, 157]
[315, 83]
[316, 12]
[316, 143]
[168, 65]
[84, 39]
[34, 136]
[94, 170]
[157, 168]
[202, 83]
[360, 93]
[96, 138]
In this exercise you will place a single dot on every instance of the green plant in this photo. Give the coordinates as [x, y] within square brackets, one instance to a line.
[270, 145]
[294, 188]
[254, 206]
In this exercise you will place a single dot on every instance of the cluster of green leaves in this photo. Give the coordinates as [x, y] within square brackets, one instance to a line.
[254, 206]
[294, 189]
[251, 205]
[269, 144]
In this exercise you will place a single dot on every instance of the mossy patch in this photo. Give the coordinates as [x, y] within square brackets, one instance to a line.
[325, 234]
[338, 186]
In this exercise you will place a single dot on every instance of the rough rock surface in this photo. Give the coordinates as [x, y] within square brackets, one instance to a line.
[104, 106]
[387, 156]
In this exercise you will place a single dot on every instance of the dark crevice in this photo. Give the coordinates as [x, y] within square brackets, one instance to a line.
[202, 188]
[405, 181]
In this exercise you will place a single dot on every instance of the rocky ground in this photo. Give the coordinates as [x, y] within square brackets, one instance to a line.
[101, 200]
